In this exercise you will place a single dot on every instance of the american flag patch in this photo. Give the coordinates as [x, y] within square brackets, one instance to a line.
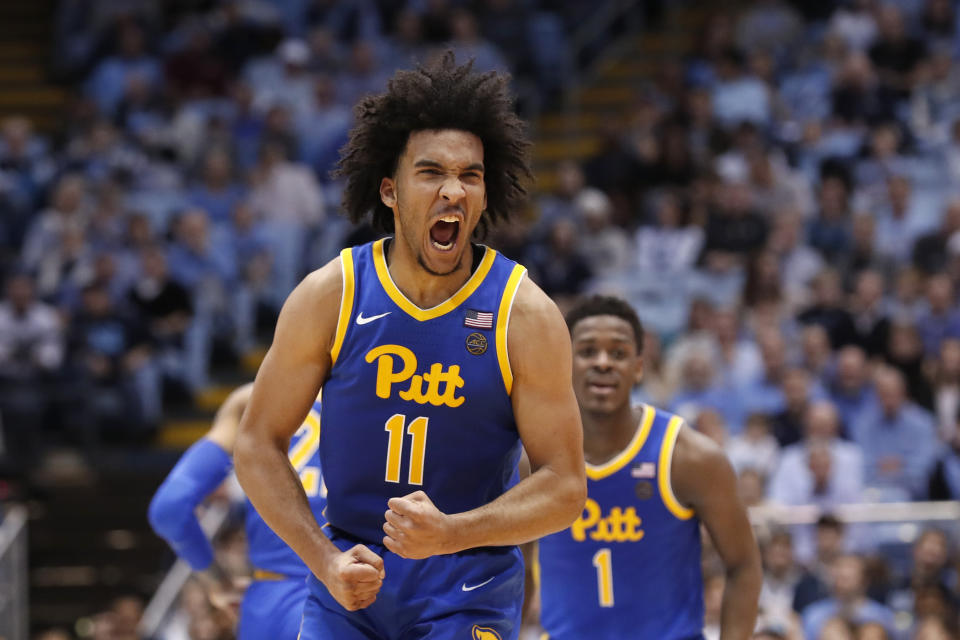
[478, 319]
[644, 470]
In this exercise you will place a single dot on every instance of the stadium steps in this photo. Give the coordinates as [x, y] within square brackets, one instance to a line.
[573, 132]
[26, 36]
[89, 537]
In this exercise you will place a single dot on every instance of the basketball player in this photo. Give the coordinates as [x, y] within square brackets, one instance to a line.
[273, 603]
[438, 358]
[629, 567]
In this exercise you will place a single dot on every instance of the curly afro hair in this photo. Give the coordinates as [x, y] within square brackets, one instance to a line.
[439, 96]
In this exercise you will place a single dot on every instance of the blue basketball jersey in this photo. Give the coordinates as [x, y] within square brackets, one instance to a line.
[629, 567]
[267, 550]
[417, 398]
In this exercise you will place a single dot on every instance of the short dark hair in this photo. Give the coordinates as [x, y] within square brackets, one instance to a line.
[440, 96]
[607, 306]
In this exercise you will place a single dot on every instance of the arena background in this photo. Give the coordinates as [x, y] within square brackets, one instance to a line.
[772, 184]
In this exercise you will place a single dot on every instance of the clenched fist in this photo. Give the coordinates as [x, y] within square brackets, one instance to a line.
[415, 528]
[354, 577]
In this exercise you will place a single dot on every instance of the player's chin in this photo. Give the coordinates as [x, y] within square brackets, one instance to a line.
[442, 261]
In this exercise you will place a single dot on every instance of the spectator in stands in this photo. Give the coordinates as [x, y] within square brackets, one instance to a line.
[217, 192]
[871, 326]
[363, 74]
[560, 269]
[850, 389]
[108, 83]
[944, 481]
[670, 245]
[26, 169]
[898, 439]
[829, 232]
[754, 448]
[930, 252]
[941, 319]
[830, 542]
[901, 220]
[847, 599]
[31, 353]
[699, 390]
[737, 95]
[68, 209]
[822, 469]
[855, 23]
[324, 129]
[798, 392]
[287, 197]
[734, 226]
[780, 577]
[604, 245]
[164, 305]
[905, 353]
[799, 263]
[895, 53]
[931, 556]
[827, 309]
[945, 378]
[467, 42]
[863, 254]
[816, 356]
[112, 361]
[765, 393]
[737, 357]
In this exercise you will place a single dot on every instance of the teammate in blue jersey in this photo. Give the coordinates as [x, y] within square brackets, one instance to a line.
[438, 358]
[629, 567]
[273, 603]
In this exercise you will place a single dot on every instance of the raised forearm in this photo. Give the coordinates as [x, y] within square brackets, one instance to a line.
[541, 504]
[738, 613]
[274, 489]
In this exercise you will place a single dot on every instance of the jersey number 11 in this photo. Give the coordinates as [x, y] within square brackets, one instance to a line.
[417, 429]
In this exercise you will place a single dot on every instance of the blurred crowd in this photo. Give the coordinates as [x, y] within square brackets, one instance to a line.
[781, 207]
[158, 232]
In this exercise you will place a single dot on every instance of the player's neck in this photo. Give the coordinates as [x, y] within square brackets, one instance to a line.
[421, 287]
[606, 435]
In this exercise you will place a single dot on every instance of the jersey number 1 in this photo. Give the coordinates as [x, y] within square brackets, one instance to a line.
[418, 447]
[602, 560]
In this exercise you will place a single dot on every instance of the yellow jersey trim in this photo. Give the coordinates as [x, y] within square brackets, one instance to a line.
[448, 305]
[663, 479]
[346, 303]
[503, 325]
[598, 472]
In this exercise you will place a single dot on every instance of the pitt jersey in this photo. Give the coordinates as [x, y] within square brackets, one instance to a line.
[418, 398]
[629, 567]
[268, 552]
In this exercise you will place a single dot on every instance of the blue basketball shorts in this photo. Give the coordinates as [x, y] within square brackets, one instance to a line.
[272, 609]
[471, 595]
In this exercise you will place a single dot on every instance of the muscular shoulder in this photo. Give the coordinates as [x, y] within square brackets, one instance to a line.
[538, 335]
[699, 467]
[310, 313]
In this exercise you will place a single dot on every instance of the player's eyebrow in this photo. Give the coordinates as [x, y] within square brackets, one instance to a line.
[433, 164]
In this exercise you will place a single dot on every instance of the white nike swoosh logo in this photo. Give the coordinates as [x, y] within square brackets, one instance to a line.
[476, 586]
[362, 320]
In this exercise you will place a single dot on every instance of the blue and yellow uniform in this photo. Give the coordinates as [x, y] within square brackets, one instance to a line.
[419, 399]
[273, 604]
[629, 567]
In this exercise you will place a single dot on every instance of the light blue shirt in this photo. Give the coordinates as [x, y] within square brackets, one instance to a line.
[909, 435]
[819, 613]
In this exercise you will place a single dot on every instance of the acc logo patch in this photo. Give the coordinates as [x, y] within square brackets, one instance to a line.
[644, 490]
[485, 633]
[477, 343]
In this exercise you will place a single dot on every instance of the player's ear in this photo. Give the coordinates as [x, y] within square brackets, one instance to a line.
[388, 192]
[638, 371]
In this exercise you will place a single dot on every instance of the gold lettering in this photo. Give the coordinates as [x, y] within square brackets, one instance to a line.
[579, 528]
[620, 525]
[386, 375]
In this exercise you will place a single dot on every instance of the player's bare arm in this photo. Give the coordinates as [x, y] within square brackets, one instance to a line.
[703, 480]
[548, 422]
[226, 423]
[286, 385]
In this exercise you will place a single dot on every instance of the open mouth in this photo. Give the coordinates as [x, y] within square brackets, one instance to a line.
[601, 388]
[444, 232]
